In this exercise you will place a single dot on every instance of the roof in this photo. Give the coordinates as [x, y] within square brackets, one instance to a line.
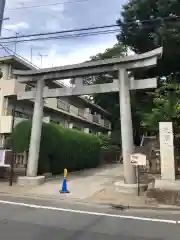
[17, 63]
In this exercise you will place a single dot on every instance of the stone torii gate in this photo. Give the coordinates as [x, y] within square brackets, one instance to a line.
[123, 85]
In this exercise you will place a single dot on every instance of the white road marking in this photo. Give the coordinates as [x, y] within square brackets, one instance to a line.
[91, 213]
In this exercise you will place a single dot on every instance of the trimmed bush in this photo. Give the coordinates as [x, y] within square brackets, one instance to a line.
[60, 147]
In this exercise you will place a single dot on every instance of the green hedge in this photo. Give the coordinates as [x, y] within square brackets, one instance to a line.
[60, 147]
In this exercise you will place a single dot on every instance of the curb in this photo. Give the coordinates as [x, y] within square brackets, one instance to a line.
[121, 207]
[141, 207]
[57, 200]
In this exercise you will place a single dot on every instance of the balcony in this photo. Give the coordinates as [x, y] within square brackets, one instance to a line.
[81, 113]
[96, 119]
[6, 123]
[63, 105]
[66, 108]
[11, 87]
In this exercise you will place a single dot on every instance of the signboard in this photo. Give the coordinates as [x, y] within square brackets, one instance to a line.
[138, 159]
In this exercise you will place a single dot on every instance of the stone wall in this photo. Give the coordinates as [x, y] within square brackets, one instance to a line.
[167, 197]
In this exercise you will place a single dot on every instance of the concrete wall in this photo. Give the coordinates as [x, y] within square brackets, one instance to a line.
[6, 70]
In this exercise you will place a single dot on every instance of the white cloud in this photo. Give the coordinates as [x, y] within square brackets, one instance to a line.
[20, 3]
[18, 26]
[52, 25]
[58, 18]
[54, 58]
[57, 8]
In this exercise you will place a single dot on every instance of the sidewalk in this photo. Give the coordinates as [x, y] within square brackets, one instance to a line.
[94, 186]
[82, 184]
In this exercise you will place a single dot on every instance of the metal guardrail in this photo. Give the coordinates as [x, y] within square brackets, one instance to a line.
[96, 119]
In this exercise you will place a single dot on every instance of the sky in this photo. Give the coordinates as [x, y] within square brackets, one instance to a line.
[70, 14]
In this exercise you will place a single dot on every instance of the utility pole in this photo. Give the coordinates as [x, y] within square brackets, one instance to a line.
[41, 56]
[31, 53]
[2, 7]
[15, 45]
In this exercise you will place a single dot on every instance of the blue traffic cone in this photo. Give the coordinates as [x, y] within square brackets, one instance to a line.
[64, 187]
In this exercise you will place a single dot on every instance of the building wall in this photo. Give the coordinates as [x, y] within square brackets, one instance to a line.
[75, 113]
[6, 70]
[24, 111]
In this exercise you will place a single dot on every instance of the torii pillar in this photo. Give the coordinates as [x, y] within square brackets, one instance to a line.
[126, 126]
[35, 140]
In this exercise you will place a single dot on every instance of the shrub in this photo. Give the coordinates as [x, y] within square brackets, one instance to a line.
[107, 142]
[60, 148]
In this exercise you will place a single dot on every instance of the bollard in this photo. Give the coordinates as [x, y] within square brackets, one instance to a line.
[64, 183]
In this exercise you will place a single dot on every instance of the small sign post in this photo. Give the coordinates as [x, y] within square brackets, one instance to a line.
[138, 160]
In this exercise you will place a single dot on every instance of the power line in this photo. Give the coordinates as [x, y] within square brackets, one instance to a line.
[67, 36]
[46, 5]
[61, 32]
[170, 18]
[79, 32]
[5, 48]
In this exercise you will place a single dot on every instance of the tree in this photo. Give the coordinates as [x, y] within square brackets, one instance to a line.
[110, 101]
[166, 106]
[148, 24]
[118, 50]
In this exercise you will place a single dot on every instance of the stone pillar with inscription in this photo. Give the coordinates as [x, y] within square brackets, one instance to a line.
[167, 151]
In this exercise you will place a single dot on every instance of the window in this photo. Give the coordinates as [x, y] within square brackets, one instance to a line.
[19, 114]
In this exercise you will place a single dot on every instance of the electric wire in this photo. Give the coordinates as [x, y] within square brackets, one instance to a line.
[61, 32]
[130, 23]
[46, 5]
[67, 36]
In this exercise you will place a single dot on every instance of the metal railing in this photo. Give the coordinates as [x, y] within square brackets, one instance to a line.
[81, 112]
[96, 119]
[63, 105]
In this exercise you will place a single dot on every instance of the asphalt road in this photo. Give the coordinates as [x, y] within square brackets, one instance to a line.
[26, 219]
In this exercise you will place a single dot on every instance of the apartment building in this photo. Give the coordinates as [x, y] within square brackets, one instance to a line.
[71, 112]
